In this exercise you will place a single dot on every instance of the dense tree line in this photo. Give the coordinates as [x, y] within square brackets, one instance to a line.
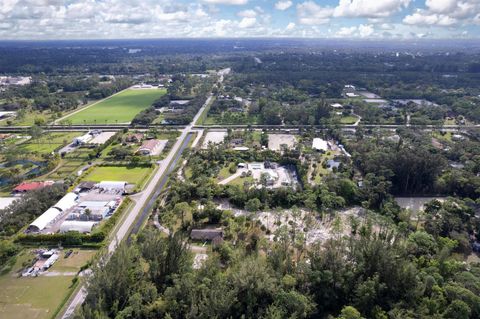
[385, 272]
[28, 207]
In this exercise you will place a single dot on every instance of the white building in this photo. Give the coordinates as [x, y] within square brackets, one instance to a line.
[53, 213]
[5, 114]
[112, 185]
[84, 139]
[351, 94]
[78, 226]
[319, 144]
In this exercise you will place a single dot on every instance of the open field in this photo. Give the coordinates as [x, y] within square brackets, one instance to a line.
[213, 138]
[447, 136]
[239, 181]
[275, 141]
[29, 118]
[132, 175]
[348, 119]
[32, 297]
[74, 262]
[49, 142]
[120, 108]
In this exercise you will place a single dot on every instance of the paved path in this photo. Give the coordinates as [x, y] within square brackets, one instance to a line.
[359, 118]
[232, 177]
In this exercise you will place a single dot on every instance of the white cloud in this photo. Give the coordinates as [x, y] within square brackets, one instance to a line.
[444, 13]
[247, 23]
[365, 30]
[369, 8]
[230, 2]
[362, 31]
[310, 13]
[7, 5]
[41, 19]
[423, 18]
[441, 6]
[346, 31]
[290, 26]
[283, 5]
[247, 14]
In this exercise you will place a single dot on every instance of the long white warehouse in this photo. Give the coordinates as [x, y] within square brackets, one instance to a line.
[54, 212]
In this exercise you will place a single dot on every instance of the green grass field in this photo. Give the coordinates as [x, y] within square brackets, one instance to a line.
[74, 262]
[120, 108]
[35, 298]
[348, 119]
[240, 181]
[29, 118]
[447, 136]
[49, 142]
[132, 175]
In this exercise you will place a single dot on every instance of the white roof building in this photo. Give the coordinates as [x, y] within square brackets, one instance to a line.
[46, 218]
[67, 201]
[82, 139]
[78, 226]
[7, 113]
[54, 212]
[112, 185]
[336, 105]
[319, 144]
[351, 94]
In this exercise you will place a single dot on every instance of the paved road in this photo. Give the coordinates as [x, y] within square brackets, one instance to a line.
[153, 187]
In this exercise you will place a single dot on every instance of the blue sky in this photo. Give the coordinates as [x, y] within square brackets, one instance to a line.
[364, 19]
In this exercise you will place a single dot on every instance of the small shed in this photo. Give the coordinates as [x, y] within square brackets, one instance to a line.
[85, 187]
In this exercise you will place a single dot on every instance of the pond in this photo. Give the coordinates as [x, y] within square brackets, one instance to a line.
[36, 169]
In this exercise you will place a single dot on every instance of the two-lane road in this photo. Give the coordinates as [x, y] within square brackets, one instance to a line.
[153, 187]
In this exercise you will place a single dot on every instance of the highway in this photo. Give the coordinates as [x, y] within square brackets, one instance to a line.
[119, 127]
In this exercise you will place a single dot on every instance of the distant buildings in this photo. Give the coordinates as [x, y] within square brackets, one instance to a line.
[5, 114]
[94, 137]
[337, 106]
[134, 137]
[15, 80]
[152, 147]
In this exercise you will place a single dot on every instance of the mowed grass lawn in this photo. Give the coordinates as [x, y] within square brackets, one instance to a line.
[35, 298]
[49, 142]
[132, 175]
[120, 108]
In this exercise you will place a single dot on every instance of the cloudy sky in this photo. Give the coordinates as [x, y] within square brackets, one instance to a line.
[377, 19]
